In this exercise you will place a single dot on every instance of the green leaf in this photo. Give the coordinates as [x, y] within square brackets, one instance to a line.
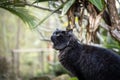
[100, 4]
[23, 14]
[66, 7]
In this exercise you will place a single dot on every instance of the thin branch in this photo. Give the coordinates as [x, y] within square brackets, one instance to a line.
[62, 1]
[38, 7]
[47, 9]
[43, 37]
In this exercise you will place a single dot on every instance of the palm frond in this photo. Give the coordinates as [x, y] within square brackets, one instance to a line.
[23, 14]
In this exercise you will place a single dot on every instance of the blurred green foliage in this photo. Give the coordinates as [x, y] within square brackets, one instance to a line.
[74, 78]
[109, 42]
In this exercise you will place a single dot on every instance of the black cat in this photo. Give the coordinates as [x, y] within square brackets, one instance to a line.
[84, 61]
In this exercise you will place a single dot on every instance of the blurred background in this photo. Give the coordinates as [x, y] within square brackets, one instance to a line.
[26, 51]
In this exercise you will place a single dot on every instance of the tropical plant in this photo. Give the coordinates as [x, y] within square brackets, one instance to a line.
[17, 7]
[97, 14]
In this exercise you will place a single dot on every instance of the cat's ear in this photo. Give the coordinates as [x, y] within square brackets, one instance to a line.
[70, 31]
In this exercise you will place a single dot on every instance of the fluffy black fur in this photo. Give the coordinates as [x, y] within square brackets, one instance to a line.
[84, 61]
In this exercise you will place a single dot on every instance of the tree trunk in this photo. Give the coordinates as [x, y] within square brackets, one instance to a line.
[115, 20]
